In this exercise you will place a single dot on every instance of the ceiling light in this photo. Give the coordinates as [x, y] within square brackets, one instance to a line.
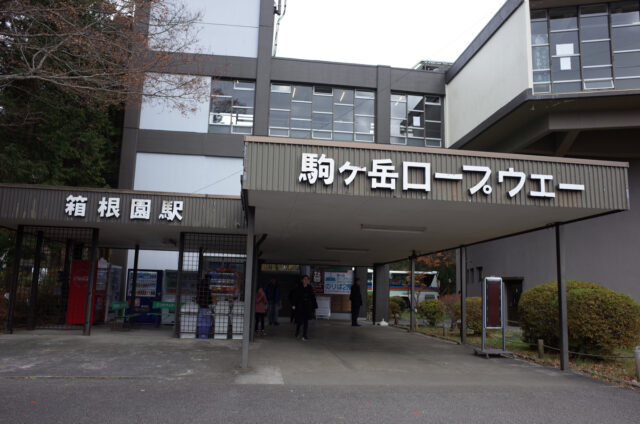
[347, 249]
[392, 228]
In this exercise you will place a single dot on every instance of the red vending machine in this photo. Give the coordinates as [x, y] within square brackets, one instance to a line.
[77, 301]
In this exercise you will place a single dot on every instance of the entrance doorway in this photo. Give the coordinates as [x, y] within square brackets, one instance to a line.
[514, 291]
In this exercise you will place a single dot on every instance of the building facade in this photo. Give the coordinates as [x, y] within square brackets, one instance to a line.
[557, 78]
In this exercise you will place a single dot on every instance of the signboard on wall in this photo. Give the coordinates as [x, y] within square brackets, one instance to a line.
[338, 282]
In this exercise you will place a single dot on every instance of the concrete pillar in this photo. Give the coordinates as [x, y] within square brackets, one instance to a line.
[362, 274]
[263, 69]
[383, 105]
[380, 292]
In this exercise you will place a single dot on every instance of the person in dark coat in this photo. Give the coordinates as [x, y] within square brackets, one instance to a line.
[356, 301]
[304, 305]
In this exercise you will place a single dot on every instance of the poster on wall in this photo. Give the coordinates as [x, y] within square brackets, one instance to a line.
[316, 280]
[338, 282]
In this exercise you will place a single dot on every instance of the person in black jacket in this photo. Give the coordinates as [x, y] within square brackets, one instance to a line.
[304, 305]
[356, 301]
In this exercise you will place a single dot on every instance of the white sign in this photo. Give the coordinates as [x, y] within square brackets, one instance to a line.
[110, 207]
[338, 282]
[383, 175]
[76, 205]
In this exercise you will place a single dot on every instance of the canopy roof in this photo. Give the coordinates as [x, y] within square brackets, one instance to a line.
[410, 199]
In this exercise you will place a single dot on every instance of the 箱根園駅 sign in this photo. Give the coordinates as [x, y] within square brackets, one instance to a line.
[111, 207]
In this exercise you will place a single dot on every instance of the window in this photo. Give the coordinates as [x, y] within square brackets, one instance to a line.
[625, 37]
[416, 120]
[321, 112]
[231, 107]
[590, 47]
[595, 47]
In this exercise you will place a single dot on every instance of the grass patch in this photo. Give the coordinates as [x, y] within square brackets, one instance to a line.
[611, 369]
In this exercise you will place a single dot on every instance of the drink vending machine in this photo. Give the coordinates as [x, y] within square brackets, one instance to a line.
[148, 290]
[170, 283]
[78, 286]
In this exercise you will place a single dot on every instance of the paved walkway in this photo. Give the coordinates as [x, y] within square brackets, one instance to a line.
[342, 374]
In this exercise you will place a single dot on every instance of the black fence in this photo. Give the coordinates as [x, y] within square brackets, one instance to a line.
[48, 288]
[211, 286]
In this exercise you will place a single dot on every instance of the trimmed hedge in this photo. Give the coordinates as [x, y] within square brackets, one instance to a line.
[398, 301]
[599, 319]
[432, 310]
[474, 313]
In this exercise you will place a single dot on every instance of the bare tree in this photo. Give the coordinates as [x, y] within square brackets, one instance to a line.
[100, 51]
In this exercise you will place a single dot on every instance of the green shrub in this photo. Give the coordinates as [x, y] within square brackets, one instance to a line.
[449, 301]
[398, 301]
[474, 313]
[599, 320]
[431, 310]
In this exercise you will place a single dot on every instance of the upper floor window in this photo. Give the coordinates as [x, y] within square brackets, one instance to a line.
[321, 112]
[231, 107]
[416, 120]
[588, 47]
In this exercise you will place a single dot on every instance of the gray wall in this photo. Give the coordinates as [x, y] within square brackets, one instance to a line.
[603, 250]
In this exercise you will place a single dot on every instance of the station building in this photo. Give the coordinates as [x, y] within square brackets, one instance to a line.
[528, 137]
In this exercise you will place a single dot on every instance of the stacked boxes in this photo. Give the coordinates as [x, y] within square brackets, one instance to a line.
[204, 323]
[237, 320]
[221, 325]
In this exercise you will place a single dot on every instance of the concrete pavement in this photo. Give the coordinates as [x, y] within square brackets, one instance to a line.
[342, 374]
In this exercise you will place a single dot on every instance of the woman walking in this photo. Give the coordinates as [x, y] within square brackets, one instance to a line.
[261, 309]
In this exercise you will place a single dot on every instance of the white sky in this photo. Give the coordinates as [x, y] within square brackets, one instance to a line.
[398, 33]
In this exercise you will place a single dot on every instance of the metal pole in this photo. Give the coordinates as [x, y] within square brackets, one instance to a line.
[412, 325]
[35, 280]
[93, 259]
[14, 278]
[484, 314]
[66, 273]
[252, 321]
[178, 307]
[503, 311]
[248, 286]
[200, 263]
[134, 284]
[463, 295]
[562, 301]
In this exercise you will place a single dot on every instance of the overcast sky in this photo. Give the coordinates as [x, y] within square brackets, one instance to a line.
[398, 33]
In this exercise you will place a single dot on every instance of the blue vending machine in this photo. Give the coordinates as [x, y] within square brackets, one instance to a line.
[148, 289]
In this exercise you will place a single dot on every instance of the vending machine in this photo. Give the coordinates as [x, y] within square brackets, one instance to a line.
[114, 293]
[148, 290]
[170, 283]
[77, 298]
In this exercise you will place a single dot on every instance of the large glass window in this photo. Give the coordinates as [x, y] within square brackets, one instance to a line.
[320, 112]
[416, 120]
[625, 37]
[231, 107]
[591, 47]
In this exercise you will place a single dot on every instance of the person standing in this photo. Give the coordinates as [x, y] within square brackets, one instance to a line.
[304, 306]
[261, 307]
[356, 301]
[273, 297]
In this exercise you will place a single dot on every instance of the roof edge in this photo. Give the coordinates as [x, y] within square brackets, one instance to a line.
[482, 38]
